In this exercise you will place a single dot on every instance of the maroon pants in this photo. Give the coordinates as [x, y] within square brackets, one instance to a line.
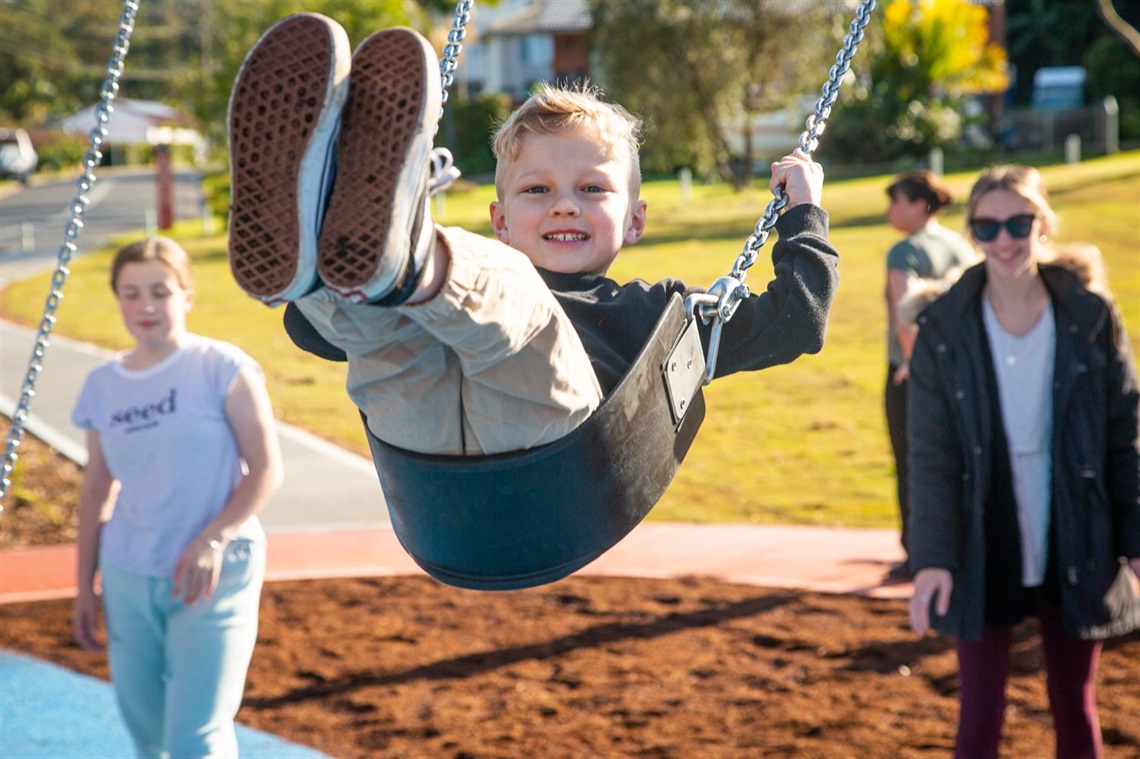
[1070, 666]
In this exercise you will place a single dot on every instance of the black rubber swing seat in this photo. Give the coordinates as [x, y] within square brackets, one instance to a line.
[526, 518]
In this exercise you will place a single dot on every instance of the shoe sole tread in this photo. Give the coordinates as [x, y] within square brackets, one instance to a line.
[362, 252]
[278, 100]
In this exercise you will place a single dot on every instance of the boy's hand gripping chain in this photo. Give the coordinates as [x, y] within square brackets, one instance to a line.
[722, 299]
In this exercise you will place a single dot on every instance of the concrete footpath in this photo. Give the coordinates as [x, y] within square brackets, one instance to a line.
[342, 485]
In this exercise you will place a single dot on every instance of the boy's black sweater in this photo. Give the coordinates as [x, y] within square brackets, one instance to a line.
[772, 327]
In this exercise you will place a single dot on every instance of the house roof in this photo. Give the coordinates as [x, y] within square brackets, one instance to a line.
[134, 122]
[543, 17]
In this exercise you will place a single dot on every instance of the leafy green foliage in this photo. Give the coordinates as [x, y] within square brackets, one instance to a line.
[925, 58]
[1064, 33]
[52, 55]
[63, 152]
[1113, 69]
[696, 70]
[183, 52]
[466, 128]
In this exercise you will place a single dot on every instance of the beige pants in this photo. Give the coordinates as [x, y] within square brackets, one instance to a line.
[491, 364]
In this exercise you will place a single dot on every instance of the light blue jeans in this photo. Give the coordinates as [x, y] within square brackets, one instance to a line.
[179, 671]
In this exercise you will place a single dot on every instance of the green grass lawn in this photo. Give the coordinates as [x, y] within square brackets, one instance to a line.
[803, 443]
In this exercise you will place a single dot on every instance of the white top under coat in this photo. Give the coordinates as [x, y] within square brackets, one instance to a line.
[1024, 368]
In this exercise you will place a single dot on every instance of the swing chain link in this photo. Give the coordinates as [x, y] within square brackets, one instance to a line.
[730, 290]
[78, 207]
[450, 60]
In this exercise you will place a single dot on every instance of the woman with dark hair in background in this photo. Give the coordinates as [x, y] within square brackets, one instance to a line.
[929, 251]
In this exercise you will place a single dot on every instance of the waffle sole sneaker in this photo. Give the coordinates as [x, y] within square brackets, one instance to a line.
[377, 230]
[283, 119]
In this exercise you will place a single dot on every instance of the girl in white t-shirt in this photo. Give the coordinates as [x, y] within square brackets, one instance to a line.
[183, 453]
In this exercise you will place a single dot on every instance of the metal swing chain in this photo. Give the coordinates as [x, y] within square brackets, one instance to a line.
[722, 299]
[449, 62]
[86, 181]
[443, 169]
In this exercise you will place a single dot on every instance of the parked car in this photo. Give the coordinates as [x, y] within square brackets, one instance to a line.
[18, 158]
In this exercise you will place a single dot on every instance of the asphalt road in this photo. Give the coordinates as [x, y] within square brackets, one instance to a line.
[33, 220]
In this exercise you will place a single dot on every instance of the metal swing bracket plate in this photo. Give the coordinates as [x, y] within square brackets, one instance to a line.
[684, 371]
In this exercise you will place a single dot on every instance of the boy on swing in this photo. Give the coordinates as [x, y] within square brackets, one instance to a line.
[456, 343]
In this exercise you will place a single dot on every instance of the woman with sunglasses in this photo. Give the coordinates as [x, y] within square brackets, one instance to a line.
[929, 252]
[1024, 459]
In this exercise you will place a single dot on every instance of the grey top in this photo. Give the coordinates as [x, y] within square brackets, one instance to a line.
[926, 254]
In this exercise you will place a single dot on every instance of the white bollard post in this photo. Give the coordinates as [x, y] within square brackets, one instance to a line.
[1073, 149]
[935, 159]
[207, 218]
[1111, 126]
[27, 237]
[439, 205]
[151, 221]
[686, 177]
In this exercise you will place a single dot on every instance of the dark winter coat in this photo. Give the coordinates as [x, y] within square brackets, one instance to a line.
[1095, 498]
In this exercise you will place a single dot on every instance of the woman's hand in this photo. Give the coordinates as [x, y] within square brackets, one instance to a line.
[902, 374]
[198, 570]
[800, 177]
[85, 620]
[929, 584]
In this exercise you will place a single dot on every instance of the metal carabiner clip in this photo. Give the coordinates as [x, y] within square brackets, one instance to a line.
[716, 306]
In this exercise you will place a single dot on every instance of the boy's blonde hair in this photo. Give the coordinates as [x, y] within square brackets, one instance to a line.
[161, 249]
[562, 111]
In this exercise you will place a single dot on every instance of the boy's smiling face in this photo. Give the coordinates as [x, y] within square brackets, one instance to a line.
[568, 203]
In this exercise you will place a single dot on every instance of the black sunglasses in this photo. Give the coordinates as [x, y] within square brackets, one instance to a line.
[985, 230]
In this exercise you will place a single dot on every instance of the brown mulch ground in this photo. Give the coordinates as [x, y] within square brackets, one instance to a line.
[596, 667]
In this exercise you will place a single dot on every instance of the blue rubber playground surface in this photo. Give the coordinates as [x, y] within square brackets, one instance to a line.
[51, 712]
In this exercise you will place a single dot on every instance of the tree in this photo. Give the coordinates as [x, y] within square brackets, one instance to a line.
[186, 53]
[50, 61]
[928, 59]
[1118, 25]
[695, 69]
